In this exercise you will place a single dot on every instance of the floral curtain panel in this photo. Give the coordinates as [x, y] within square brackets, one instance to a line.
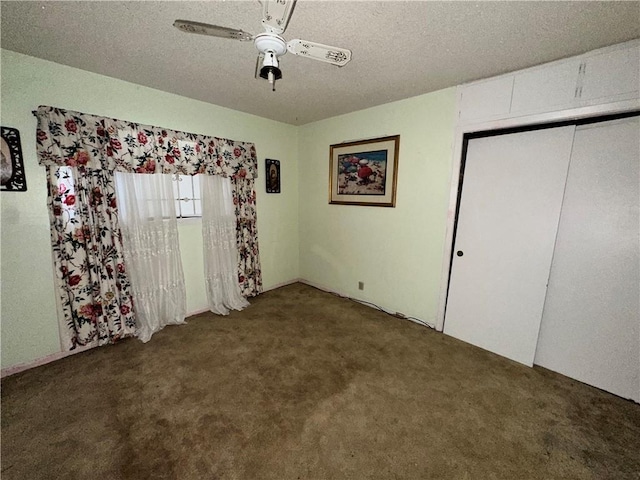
[244, 200]
[95, 293]
[96, 147]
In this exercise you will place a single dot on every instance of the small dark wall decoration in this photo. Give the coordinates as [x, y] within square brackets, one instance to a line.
[11, 166]
[272, 168]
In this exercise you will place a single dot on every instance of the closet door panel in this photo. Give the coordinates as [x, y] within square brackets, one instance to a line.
[511, 198]
[591, 323]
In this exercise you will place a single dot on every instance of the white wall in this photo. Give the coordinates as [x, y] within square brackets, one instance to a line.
[29, 322]
[397, 252]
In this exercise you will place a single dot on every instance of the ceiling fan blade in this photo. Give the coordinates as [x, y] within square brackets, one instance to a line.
[212, 30]
[276, 14]
[318, 51]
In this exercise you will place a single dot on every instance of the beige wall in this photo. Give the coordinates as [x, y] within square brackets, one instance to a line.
[397, 252]
[29, 322]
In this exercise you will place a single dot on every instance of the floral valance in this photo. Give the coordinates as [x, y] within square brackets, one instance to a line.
[65, 137]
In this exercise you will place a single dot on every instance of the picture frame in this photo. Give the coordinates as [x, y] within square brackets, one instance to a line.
[272, 176]
[12, 177]
[364, 172]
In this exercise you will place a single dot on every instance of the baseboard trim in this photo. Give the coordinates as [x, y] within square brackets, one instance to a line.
[41, 361]
[366, 303]
[324, 288]
[21, 367]
[283, 284]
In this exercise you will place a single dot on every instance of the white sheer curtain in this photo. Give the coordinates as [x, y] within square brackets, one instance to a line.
[149, 228]
[220, 247]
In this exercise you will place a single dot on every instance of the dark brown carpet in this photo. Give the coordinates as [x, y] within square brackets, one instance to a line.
[305, 385]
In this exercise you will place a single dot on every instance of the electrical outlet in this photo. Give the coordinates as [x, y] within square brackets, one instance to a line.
[360, 285]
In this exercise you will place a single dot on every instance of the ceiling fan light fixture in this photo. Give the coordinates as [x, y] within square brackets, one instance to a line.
[270, 70]
[272, 46]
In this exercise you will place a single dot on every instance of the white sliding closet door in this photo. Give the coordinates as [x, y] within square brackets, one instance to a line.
[591, 324]
[509, 211]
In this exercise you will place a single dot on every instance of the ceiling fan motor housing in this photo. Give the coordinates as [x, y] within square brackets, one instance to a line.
[270, 43]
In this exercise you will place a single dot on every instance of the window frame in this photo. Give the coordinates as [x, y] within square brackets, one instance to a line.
[190, 196]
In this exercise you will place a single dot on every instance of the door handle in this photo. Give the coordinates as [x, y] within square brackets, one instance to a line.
[459, 253]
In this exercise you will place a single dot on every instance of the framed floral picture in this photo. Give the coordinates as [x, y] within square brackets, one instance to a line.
[12, 176]
[364, 172]
[272, 168]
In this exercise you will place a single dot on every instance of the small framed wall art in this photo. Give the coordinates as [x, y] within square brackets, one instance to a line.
[272, 167]
[364, 172]
[12, 176]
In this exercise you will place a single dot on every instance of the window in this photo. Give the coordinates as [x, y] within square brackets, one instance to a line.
[186, 192]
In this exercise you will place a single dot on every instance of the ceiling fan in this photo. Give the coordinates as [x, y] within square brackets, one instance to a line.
[275, 17]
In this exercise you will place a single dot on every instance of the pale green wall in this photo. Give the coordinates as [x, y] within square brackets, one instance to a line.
[29, 323]
[397, 252]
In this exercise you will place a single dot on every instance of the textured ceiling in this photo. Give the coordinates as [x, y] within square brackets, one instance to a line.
[400, 49]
